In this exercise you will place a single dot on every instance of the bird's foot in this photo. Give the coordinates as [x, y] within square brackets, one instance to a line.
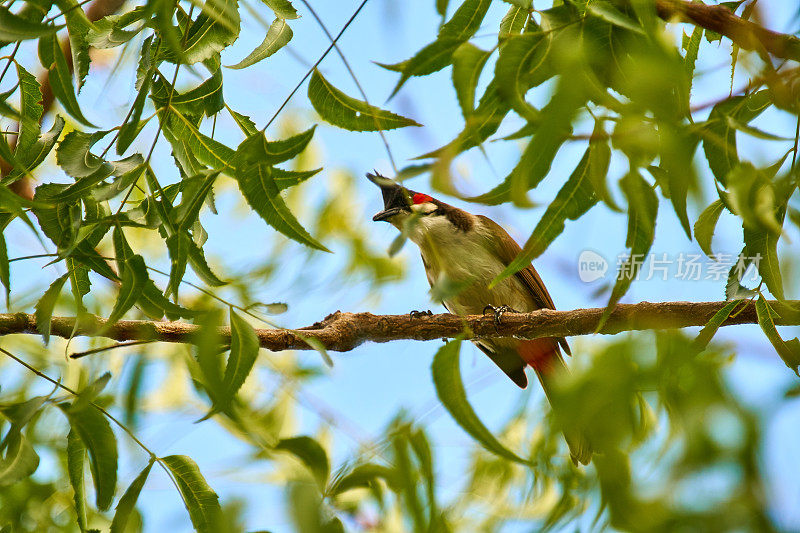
[420, 314]
[499, 312]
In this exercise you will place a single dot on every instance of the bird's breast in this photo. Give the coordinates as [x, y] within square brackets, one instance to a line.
[463, 263]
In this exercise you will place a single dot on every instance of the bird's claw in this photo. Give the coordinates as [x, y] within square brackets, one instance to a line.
[420, 314]
[499, 312]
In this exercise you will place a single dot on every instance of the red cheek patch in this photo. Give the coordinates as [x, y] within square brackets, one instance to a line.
[420, 198]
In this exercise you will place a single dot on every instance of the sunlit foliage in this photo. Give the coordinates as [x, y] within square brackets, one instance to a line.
[130, 244]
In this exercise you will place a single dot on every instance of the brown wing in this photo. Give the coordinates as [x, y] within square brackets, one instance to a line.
[507, 250]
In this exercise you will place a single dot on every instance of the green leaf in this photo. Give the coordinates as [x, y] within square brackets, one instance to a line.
[289, 178]
[752, 197]
[178, 247]
[422, 449]
[523, 63]
[710, 329]
[85, 254]
[193, 197]
[15, 28]
[95, 432]
[788, 351]
[574, 199]
[244, 122]
[61, 79]
[642, 212]
[206, 98]
[305, 508]
[134, 277]
[30, 109]
[706, 224]
[200, 500]
[692, 47]
[479, 126]
[538, 156]
[208, 353]
[5, 108]
[450, 390]
[90, 392]
[212, 31]
[5, 270]
[130, 129]
[149, 60]
[76, 457]
[274, 152]
[524, 4]
[465, 21]
[88, 185]
[362, 476]
[599, 158]
[468, 62]
[128, 500]
[74, 155]
[282, 8]
[10, 158]
[262, 194]
[676, 151]
[152, 302]
[79, 27]
[514, 21]
[243, 355]
[20, 459]
[20, 413]
[753, 131]
[110, 32]
[278, 36]
[311, 454]
[612, 15]
[345, 112]
[431, 58]
[13, 205]
[79, 282]
[407, 473]
[197, 260]
[45, 306]
[189, 144]
[39, 150]
[719, 137]
[762, 247]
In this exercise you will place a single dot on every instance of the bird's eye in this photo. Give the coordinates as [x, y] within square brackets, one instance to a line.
[420, 198]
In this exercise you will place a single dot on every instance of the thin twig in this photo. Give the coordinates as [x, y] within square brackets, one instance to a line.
[58, 384]
[10, 60]
[62, 13]
[355, 79]
[78, 355]
[324, 54]
[123, 427]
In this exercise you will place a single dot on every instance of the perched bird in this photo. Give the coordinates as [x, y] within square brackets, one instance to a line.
[469, 251]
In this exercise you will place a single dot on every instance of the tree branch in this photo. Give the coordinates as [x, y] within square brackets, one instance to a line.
[748, 35]
[344, 331]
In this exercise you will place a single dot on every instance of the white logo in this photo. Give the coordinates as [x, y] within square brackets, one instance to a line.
[591, 266]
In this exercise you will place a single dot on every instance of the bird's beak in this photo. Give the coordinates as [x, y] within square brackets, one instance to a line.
[395, 197]
[386, 214]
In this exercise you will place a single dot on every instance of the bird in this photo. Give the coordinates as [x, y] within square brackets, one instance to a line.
[469, 251]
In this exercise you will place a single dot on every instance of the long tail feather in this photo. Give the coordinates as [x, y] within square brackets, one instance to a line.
[546, 359]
